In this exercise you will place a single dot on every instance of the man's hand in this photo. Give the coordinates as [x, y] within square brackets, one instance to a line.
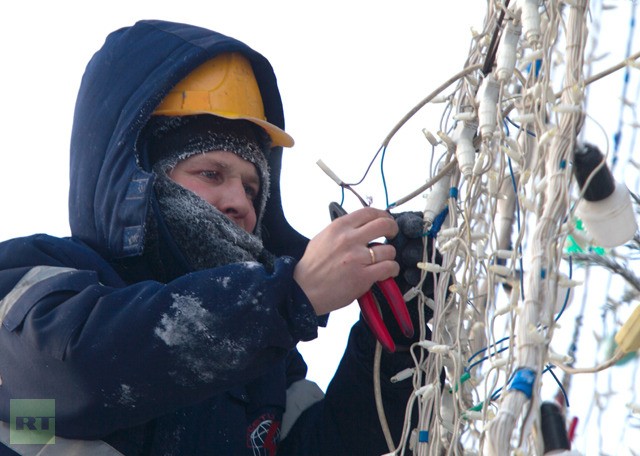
[337, 267]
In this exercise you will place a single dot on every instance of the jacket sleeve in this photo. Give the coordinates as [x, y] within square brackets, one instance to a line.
[346, 421]
[116, 356]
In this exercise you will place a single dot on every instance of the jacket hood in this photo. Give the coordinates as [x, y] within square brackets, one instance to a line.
[111, 189]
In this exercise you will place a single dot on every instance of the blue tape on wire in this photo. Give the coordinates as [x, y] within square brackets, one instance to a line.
[423, 436]
[523, 381]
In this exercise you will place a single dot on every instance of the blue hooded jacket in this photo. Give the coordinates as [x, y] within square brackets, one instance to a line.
[202, 363]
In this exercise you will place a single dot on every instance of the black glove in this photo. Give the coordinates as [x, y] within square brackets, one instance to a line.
[409, 244]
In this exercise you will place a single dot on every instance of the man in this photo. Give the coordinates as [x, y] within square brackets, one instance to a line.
[167, 322]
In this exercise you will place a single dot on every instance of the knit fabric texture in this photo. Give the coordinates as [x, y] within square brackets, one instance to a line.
[204, 235]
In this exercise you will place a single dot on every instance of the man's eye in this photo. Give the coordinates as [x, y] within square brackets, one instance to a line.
[210, 174]
[252, 193]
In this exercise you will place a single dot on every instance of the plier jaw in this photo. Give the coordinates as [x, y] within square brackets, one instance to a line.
[369, 305]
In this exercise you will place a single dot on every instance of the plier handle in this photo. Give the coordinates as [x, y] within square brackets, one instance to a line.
[369, 305]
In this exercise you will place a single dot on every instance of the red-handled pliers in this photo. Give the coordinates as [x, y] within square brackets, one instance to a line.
[369, 305]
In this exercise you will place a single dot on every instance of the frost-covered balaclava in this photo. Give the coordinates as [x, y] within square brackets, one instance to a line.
[204, 235]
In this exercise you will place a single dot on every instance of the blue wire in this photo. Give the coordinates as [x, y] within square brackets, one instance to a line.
[515, 190]
[437, 223]
[564, 393]
[566, 298]
[482, 350]
[529, 132]
[617, 137]
[468, 368]
[384, 181]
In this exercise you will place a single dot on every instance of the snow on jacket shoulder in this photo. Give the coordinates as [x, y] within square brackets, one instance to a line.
[109, 352]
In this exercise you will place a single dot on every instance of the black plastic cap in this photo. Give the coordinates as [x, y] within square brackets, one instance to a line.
[554, 429]
[587, 157]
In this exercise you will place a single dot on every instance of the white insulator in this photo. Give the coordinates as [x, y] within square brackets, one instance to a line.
[437, 198]
[527, 204]
[472, 415]
[329, 173]
[503, 310]
[540, 186]
[513, 154]
[432, 139]
[411, 293]
[448, 245]
[465, 152]
[634, 407]
[610, 221]
[481, 250]
[567, 109]
[425, 391]
[440, 99]
[439, 349]
[451, 145]
[482, 163]
[427, 344]
[557, 358]
[403, 375]
[506, 56]
[478, 237]
[465, 116]
[531, 57]
[448, 233]
[530, 18]
[499, 363]
[566, 282]
[503, 254]
[504, 271]
[523, 119]
[546, 136]
[431, 267]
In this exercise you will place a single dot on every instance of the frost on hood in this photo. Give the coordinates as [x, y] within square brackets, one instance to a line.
[199, 340]
[126, 395]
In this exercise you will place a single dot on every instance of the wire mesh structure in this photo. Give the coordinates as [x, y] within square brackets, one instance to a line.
[519, 271]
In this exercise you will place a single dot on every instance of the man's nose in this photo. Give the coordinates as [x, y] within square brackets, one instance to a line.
[234, 200]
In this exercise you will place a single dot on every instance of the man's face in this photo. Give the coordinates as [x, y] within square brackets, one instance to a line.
[225, 181]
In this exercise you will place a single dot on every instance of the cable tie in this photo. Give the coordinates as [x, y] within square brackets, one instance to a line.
[523, 381]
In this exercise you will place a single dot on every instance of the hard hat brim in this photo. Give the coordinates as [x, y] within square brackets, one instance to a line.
[279, 138]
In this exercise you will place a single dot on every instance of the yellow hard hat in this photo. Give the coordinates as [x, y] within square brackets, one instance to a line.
[224, 86]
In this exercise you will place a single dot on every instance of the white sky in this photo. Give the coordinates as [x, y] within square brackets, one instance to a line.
[347, 70]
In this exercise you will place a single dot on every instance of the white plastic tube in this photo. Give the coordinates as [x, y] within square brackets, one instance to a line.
[506, 56]
[465, 152]
[530, 18]
[437, 198]
[488, 106]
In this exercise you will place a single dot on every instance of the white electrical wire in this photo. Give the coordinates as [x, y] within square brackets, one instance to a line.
[504, 179]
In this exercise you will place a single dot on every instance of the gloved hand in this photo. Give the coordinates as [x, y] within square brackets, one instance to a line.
[409, 245]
